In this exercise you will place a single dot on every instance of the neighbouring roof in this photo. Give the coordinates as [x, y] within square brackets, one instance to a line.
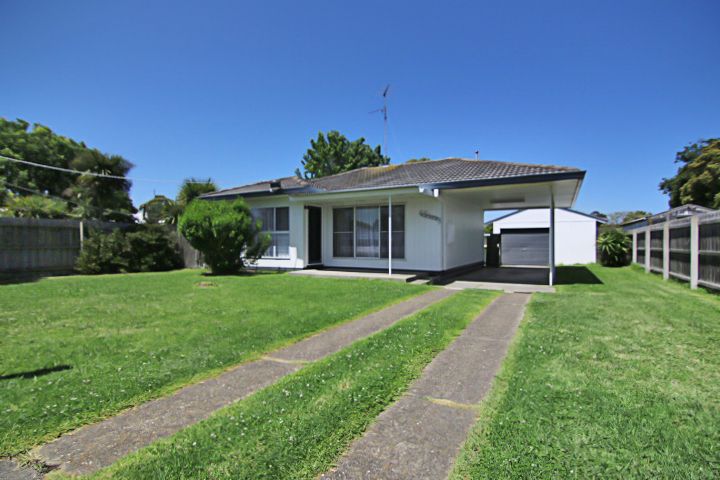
[682, 211]
[446, 173]
[508, 215]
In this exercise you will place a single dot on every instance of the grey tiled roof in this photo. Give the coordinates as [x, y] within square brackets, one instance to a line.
[436, 172]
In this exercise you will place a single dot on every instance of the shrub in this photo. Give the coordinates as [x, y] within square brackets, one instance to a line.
[225, 233]
[143, 248]
[614, 247]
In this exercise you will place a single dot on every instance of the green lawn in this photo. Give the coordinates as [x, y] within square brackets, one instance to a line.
[128, 338]
[298, 427]
[619, 379]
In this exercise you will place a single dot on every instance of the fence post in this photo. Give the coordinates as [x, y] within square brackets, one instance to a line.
[694, 251]
[634, 247]
[666, 250]
[648, 250]
[82, 239]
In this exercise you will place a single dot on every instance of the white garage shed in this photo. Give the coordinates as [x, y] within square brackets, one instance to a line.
[525, 237]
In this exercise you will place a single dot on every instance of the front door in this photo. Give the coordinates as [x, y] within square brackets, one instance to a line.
[314, 235]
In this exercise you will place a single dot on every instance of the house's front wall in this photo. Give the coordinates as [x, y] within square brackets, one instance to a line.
[464, 233]
[295, 259]
[423, 234]
[575, 234]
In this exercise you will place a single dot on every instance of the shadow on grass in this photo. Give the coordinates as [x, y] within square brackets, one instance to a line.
[36, 373]
[576, 276]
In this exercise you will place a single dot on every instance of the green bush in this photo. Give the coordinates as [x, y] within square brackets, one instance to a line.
[614, 247]
[225, 233]
[141, 248]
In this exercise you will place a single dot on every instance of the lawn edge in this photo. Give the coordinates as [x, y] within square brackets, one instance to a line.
[487, 408]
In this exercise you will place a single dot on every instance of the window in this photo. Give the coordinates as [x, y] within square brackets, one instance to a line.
[276, 222]
[362, 232]
[398, 231]
[343, 232]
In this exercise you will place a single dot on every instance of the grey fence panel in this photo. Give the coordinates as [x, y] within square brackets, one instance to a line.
[709, 249]
[191, 257]
[641, 248]
[680, 252]
[656, 250]
[694, 249]
[38, 245]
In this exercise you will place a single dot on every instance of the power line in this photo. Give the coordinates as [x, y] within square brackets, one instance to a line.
[92, 174]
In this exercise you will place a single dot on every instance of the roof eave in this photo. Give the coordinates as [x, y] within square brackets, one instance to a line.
[537, 178]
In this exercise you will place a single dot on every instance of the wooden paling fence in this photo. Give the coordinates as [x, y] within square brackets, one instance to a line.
[48, 246]
[687, 249]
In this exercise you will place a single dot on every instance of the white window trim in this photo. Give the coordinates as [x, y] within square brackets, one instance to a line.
[274, 256]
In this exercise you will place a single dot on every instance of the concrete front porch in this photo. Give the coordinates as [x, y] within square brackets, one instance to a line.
[369, 274]
[508, 279]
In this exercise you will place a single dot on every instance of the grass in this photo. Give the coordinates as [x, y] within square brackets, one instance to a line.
[619, 379]
[299, 426]
[77, 349]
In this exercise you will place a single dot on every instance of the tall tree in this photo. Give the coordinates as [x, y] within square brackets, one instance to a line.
[334, 153]
[192, 188]
[698, 177]
[161, 209]
[87, 196]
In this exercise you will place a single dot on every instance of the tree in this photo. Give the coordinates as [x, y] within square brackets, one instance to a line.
[698, 177]
[419, 160]
[193, 188]
[335, 154]
[87, 195]
[35, 206]
[618, 218]
[225, 232]
[159, 209]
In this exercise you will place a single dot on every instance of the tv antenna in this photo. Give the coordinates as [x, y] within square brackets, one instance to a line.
[384, 111]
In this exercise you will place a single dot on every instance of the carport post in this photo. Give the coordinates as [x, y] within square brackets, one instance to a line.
[552, 239]
[389, 234]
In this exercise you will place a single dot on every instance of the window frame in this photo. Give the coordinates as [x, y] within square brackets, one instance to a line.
[275, 231]
[354, 231]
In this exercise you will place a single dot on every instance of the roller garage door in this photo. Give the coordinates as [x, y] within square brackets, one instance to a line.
[525, 246]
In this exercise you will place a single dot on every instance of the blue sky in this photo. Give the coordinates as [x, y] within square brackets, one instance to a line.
[235, 91]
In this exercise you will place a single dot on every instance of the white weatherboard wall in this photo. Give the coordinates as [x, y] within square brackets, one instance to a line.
[575, 233]
[464, 233]
[423, 235]
[297, 232]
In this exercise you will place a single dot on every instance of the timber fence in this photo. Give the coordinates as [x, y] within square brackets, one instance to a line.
[49, 246]
[687, 249]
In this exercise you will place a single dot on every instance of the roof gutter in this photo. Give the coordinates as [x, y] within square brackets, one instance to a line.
[538, 178]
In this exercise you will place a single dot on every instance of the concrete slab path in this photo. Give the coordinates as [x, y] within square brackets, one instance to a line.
[96, 446]
[420, 435]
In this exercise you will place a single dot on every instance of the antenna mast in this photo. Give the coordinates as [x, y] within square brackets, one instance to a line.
[384, 111]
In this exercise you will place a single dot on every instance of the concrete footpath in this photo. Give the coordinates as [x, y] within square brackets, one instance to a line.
[96, 446]
[420, 435]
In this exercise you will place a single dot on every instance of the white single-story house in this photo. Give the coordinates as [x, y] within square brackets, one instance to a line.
[417, 217]
[525, 234]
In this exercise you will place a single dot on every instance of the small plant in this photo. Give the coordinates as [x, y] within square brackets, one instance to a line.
[225, 233]
[613, 247]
